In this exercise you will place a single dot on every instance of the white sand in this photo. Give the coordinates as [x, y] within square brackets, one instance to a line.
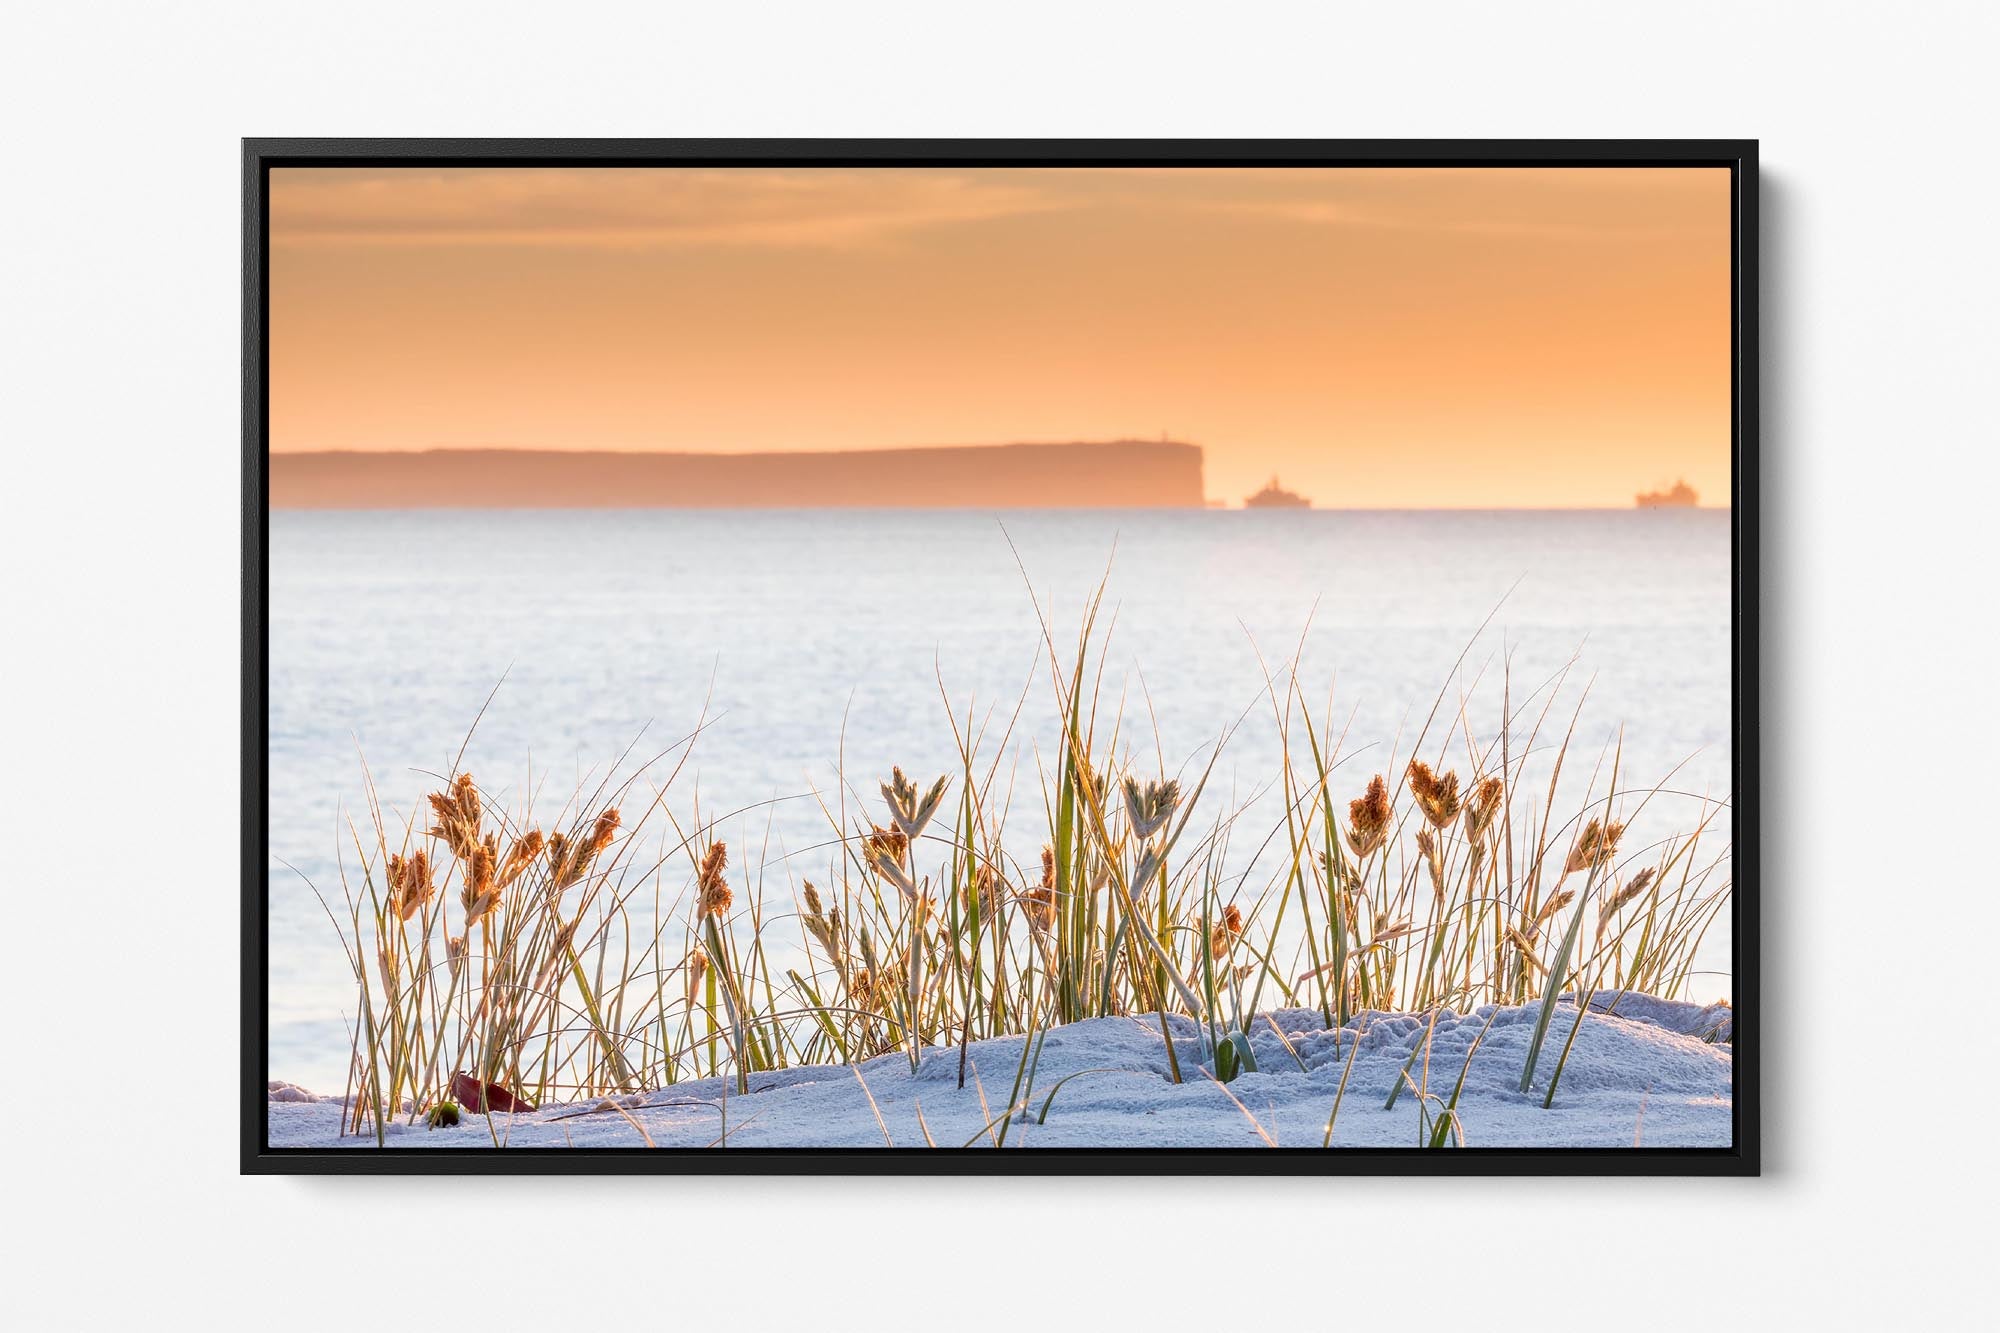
[1642, 1075]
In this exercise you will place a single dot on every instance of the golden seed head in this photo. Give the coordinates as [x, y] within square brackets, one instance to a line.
[520, 856]
[1226, 932]
[570, 858]
[1549, 909]
[714, 889]
[1632, 889]
[1483, 807]
[813, 906]
[479, 894]
[1048, 867]
[1595, 846]
[885, 844]
[1436, 796]
[1369, 817]
[457, 812]
[1637, 884]
[697, 971]
[410, 886]
[1427, 843]
[603, 831]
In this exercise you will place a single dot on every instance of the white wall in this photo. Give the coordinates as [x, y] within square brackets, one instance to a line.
[119, 768]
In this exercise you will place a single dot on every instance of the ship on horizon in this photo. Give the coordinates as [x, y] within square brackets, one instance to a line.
[1274, 496]
[1680, 496]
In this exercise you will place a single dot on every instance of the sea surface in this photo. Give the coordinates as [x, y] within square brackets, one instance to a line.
[796, 637]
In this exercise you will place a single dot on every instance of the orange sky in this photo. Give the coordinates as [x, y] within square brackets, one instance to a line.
[1378, 337]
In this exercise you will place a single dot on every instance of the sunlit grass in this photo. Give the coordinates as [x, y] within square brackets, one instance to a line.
[621, 945]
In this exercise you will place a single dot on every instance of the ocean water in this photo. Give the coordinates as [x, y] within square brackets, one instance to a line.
[800, 635]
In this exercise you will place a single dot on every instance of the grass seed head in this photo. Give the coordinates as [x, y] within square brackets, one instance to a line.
[910, 810]
[715, 895]
[570, 859]
[1427, 844]
[603, 831]
[1554, 905]
[1436, 796]
[1483, 807]
[885, 843]
[458, 813]
[1149, 808]
[410, 884]
[479, 894]
[520, 856]
[1633, 887]
[823, 925]
[1369, 817]
[696, 969]
[1595, 846]
[1384, 928]
[1226, 932]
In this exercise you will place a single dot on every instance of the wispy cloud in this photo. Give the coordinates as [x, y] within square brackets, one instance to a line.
[1328, 214]
[637, 208]
[1547, 203]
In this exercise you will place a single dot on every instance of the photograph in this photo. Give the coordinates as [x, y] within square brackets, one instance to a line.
[860, 667]
[1056, 656]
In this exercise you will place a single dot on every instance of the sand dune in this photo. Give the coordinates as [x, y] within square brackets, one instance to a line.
[1651, 1073]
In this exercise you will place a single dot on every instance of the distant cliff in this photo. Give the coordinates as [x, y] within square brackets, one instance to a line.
[1123, 473]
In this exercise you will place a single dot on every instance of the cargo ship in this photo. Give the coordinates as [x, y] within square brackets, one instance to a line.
[1681, 496]
[1274, 496]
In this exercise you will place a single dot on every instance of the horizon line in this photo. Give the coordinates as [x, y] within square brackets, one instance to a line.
[1124, 473]
[1238, 508]
[745, 453]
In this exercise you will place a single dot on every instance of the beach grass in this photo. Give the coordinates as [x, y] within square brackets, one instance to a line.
[621, 945]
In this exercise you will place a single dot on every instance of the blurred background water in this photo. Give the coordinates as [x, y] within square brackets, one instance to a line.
[803, 632]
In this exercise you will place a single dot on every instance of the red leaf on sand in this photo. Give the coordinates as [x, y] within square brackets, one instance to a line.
[475, 1095]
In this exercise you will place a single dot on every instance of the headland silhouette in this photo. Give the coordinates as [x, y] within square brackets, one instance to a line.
[1114, 474]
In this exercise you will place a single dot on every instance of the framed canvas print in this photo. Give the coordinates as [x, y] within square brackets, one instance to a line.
[890, 656]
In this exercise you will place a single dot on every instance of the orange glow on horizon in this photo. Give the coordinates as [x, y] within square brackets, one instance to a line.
[1377, 337]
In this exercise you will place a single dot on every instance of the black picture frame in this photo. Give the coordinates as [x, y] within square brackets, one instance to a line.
[260, 156]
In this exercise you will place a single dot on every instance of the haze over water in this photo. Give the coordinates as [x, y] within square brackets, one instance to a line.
[389, 630]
